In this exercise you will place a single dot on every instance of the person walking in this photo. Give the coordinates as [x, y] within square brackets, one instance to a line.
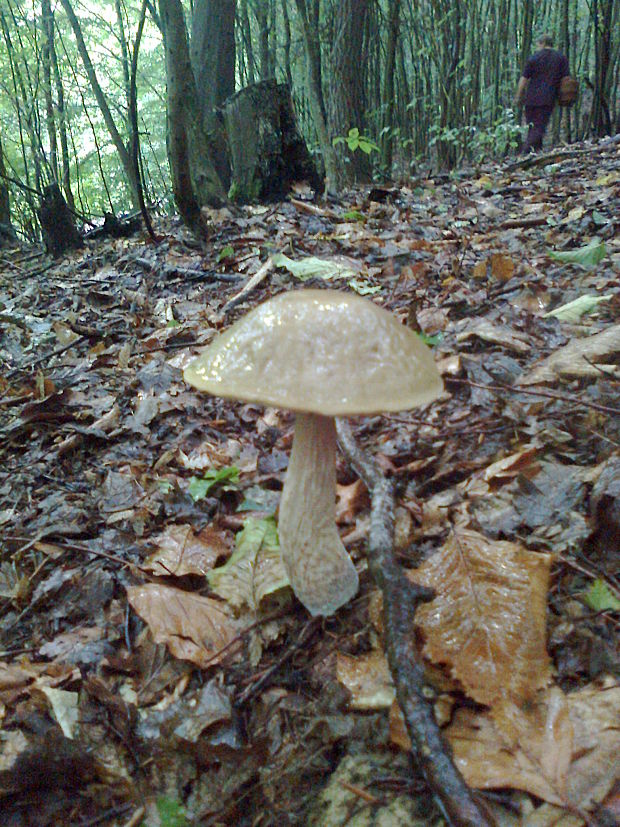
[538, 89]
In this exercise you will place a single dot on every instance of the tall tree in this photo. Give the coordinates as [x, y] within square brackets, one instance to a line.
[194, 179]
[346, 98]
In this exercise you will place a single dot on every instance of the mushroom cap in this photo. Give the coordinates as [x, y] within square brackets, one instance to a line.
[319, 351]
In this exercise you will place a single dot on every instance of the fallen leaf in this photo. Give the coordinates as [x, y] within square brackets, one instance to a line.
[182, 552]
[194, 628]
[487, 622]
[574, 358]
[255, 569]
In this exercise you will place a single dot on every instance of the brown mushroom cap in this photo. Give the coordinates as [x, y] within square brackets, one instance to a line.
[319, 351]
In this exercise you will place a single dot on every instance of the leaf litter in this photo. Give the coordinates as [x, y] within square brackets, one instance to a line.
[152, 657]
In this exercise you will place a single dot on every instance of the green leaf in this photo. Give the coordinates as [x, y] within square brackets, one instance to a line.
[255, 568]
[353, 215]
[598, 218]
[573, 311]
[199, 487]
[225, 252]
[165, 486]
[431, 341]
[600, 597]
[171, 812]
[587, 256]
[312, 267]
[363, 287]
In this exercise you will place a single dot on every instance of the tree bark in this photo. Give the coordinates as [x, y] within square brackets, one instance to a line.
[194, 179]
[346, 95]
[213, 55]
[268, 154]
[333, 177]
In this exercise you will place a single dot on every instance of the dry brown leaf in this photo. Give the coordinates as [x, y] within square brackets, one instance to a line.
[487, 622]
[350, 500]
[502, 267]
[181, 552]
[496, 334]
[367, 678]
[574, 358]
[194, 628]
[562, 749]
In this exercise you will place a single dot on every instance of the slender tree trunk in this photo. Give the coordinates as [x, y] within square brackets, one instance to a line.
[387, 95]
[346, 94]
[194, 180]
[122, 150]
[333, 181]
[47, 27]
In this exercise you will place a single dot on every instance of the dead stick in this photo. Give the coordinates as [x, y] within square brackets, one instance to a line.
[400, 601]
[253, 282]
[572, 400]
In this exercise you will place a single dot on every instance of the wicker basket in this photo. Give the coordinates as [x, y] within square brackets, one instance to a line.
[568, 91]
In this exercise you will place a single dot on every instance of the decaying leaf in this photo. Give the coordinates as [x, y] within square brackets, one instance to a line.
[194, 628]
[561, 748]
[487, 622]
[574, 358]
[367, 678]
[182, 552]
[255, 569]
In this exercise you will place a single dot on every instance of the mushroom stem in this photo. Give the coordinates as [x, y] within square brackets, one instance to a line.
[320, 571]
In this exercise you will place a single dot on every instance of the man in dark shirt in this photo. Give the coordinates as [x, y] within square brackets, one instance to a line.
[538, 89]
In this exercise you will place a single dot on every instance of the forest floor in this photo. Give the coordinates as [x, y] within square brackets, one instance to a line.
[146, 677]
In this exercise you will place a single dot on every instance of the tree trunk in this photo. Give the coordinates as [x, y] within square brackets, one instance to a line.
[387, 94]
[333, 180]
[57, 225]
[346, 98]
[194, 179]
[6, 228]
[212, 54]
[268, 153]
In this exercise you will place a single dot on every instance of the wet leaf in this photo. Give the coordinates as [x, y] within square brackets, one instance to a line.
[194, 628]
[312, 267]
[587, 256]
[182, 552]
[600, 597]
[488, 621]
[227, 477]
[255, 569]
[573, 311]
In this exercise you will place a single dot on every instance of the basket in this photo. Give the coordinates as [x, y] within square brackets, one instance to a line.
[568, 91]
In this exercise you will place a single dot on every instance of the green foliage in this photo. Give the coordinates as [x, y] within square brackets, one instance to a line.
[171, 812]
[588, 256]
[355, 141]
[226, 252]
[227, 478]
[478, 144]
[600, 597]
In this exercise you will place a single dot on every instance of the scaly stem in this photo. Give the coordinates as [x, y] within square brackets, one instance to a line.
[321, 572]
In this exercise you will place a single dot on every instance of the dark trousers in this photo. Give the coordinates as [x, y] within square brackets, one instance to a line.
[538, 118]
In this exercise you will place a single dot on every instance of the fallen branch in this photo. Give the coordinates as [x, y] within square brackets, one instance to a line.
[254, 281]
[400, 601]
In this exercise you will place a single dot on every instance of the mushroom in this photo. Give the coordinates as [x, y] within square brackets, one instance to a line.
[322, 354]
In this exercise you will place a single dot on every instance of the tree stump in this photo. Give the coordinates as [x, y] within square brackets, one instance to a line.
[267, 151]
[57, 226]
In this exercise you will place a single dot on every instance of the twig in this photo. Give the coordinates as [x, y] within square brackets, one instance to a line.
[255, 687]
[530, 392]
[254, 281]
[400, 601]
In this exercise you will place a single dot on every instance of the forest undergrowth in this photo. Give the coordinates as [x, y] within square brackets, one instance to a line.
[154, 666]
